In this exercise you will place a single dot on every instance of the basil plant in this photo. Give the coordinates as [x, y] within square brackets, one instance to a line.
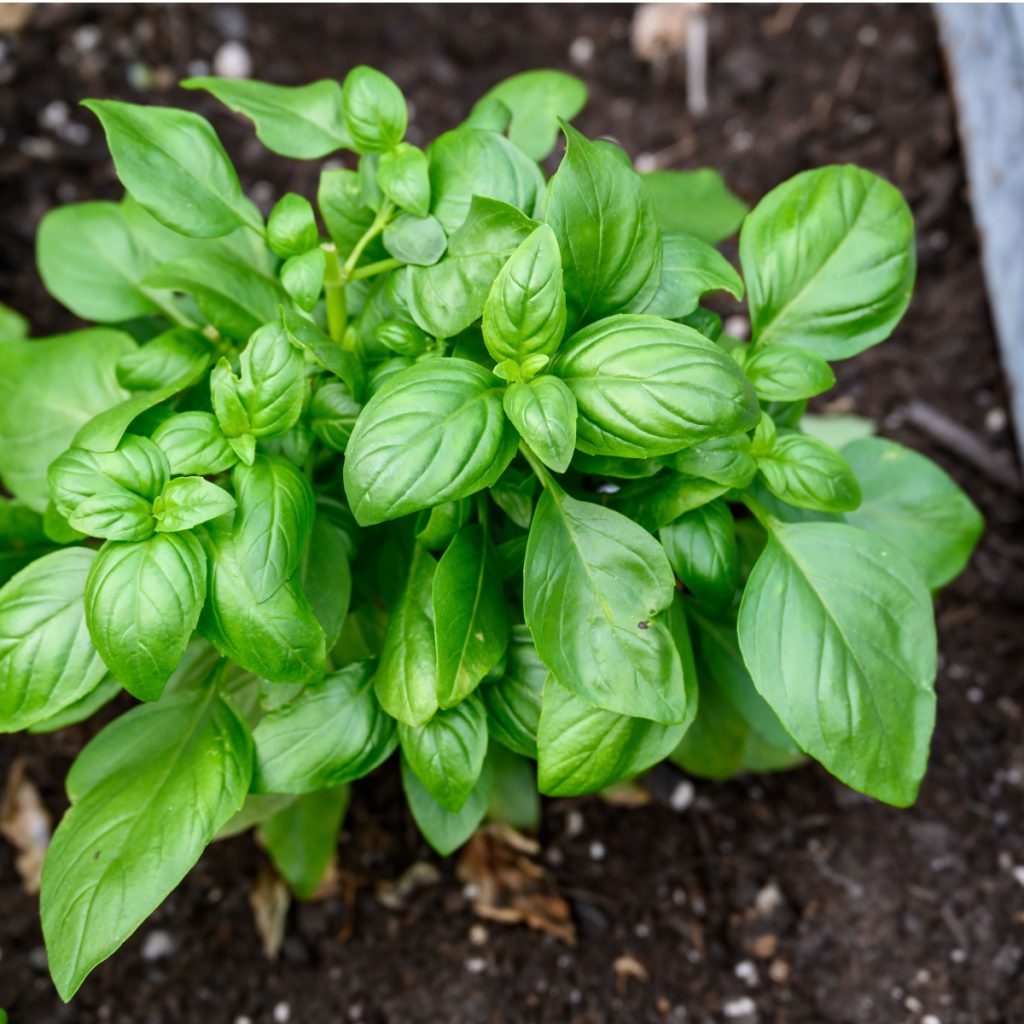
[449, 463]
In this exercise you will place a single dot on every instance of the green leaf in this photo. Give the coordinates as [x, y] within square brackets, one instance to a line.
[537, 100]
[406, 680]
[447, 297]
[162, 781]
[302, 277]
[235, 298]
[13, 326]
[656, 501]
[194, 444]
[581, 749]
[447, 753]
[446, 830]
[332, 732]
[327, 575]
[78, 711]
[701, 548]
[781, 373]
[174, 166]
[604, 222]
[278, 639]
[515, 801]
[171, 362]
[696, 203]
[725, 460]
[417, 240]
[345, 214]
[543, 410]
[436, 527]
[324, 351]
[47, 661]
[291, 226]
[469, 163]
[837, 429]
[302, 838]
[373, 110]
[807, 473]
[469, 609]
[525, 309]
[645, 386]
[404, 178]
[275, 513]
[48, 390]
[333, 413]
[513, 702]
[836, 629]
[691, 268]
[595, 587]
[89, 261]
[142, 604]
[829, 261]
[299, 121]
[433, 433]
[188, 501]
[912, 503]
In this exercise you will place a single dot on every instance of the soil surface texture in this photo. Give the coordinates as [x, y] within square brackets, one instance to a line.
[781, 899]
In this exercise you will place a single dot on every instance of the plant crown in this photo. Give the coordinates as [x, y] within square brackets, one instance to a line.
[453, 463]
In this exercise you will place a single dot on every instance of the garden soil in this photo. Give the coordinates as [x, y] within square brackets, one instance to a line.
[773, 899]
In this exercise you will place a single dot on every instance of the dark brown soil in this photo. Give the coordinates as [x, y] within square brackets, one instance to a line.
[784, 899]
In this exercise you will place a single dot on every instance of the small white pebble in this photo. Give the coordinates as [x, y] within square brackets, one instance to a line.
[923, 976]
[642, 931]
[867, 35]
[282, 1013]
[862, 123]
[742, 141]
[737, 326]
[232, 60]
[958, 956]
[243, 1020]
[54, 115]
[995, 420]
[744, 1006]
[645, 163]
[158, 944]
[1018, 874]
[597, 851]
[198, 68]
[581, 50]
[930, 1018]
[355, 1011]
[746, 972]
[975, 694]
[85, 38]
[913, 1004]
[574, 823]
[769, 899]
[478, 935]
[682, 796]
[476, 965]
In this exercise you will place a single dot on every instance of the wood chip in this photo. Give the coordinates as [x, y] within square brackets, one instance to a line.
[393, 894]
[628, 967]
[25, 823]
[270, 900]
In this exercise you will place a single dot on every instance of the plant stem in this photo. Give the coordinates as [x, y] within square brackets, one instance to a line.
[380, 222]
[538, 467]
[372, 269]
[334, 292]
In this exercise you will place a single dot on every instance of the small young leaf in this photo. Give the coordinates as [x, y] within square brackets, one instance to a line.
[525, 309]
[142, 603]
[173, 164]
[188, 501]
[373, 109]
[302, 277]
[403, 176]
[332, 732]
[333, 413]
[291, 227]
[690, 269]
[300, 121]
[447, 753]
[417, 240]
[513, 702]
[725, 460]
[163, 778]
[701, 548]
[807, 473]
[194, 444]
[47, 660]
[781, 373]
[434, 433]
[469, 605]
[543, 410]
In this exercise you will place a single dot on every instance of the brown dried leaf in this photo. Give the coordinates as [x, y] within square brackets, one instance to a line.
[627, 967]
[627, 794]
[393, 894]
[25, 823]
[270, 900]
[510, 887]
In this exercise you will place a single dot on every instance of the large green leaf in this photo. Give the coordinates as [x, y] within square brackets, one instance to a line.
[604, 222]
[447, 753]
[47, 660]
[470, 612]
[912, 503]
[645, 386]
[148, 794]
[90, 261]
[300, 121]
[406, 680]
[829, 261]
[142, 604]
[331, 732]
[596, 587]
[836, 628]
[448, 296]
[469, 162]
[173, 164]
[513, 702]
[327, 575]
[435, 432]
[696, 203]
[48, 390]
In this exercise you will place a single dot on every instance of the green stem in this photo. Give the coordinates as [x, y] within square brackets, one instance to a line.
[546, 479]
[334, 292]
[168, 308]
[761, 514]
[380, 222]
[372, 269]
